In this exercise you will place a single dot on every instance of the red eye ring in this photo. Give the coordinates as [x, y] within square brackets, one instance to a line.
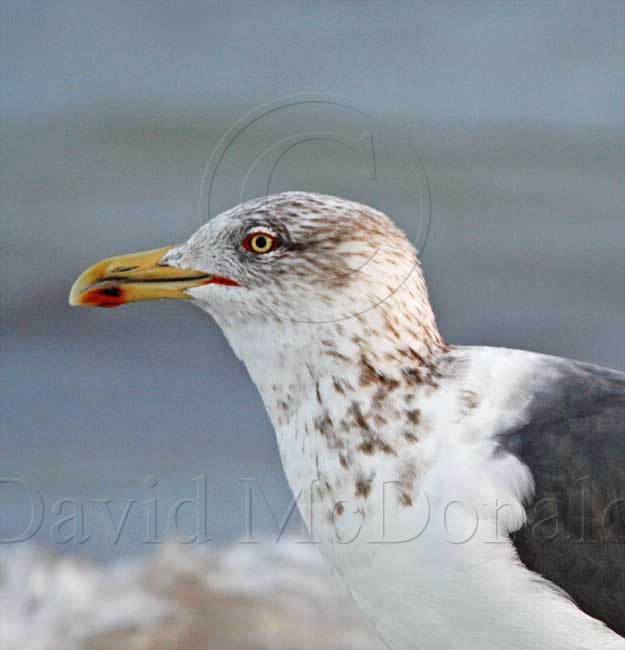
[259, 243]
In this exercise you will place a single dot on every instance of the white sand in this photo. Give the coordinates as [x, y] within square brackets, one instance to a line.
[262, 596]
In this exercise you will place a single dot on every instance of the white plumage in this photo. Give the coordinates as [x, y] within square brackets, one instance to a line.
[386, 433]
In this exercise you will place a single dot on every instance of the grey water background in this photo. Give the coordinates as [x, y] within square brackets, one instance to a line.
[110, 112]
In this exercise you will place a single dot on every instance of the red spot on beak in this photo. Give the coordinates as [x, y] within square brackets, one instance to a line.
[107, 298]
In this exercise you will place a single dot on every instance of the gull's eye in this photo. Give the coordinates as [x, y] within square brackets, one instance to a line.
[259, 242]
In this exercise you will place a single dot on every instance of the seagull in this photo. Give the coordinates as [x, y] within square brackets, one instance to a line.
[467, 497]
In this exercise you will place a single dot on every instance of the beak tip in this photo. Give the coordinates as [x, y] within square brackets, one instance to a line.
[74, 296]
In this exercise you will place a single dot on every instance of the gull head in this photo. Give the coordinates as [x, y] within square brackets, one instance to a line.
[286, 268]
[294, 256]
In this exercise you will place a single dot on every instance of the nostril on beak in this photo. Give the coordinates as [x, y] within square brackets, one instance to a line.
[124, 269]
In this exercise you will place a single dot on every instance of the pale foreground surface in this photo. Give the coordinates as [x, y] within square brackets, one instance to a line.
[263, 596]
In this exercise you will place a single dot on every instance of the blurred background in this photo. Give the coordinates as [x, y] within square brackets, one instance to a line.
[110, 114]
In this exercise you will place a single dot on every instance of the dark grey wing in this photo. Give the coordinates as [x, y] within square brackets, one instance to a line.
[574, 445]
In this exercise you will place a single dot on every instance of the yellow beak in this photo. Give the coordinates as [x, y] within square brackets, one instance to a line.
[131, 278]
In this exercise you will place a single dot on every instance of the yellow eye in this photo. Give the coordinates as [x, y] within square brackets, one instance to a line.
[259, 242]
